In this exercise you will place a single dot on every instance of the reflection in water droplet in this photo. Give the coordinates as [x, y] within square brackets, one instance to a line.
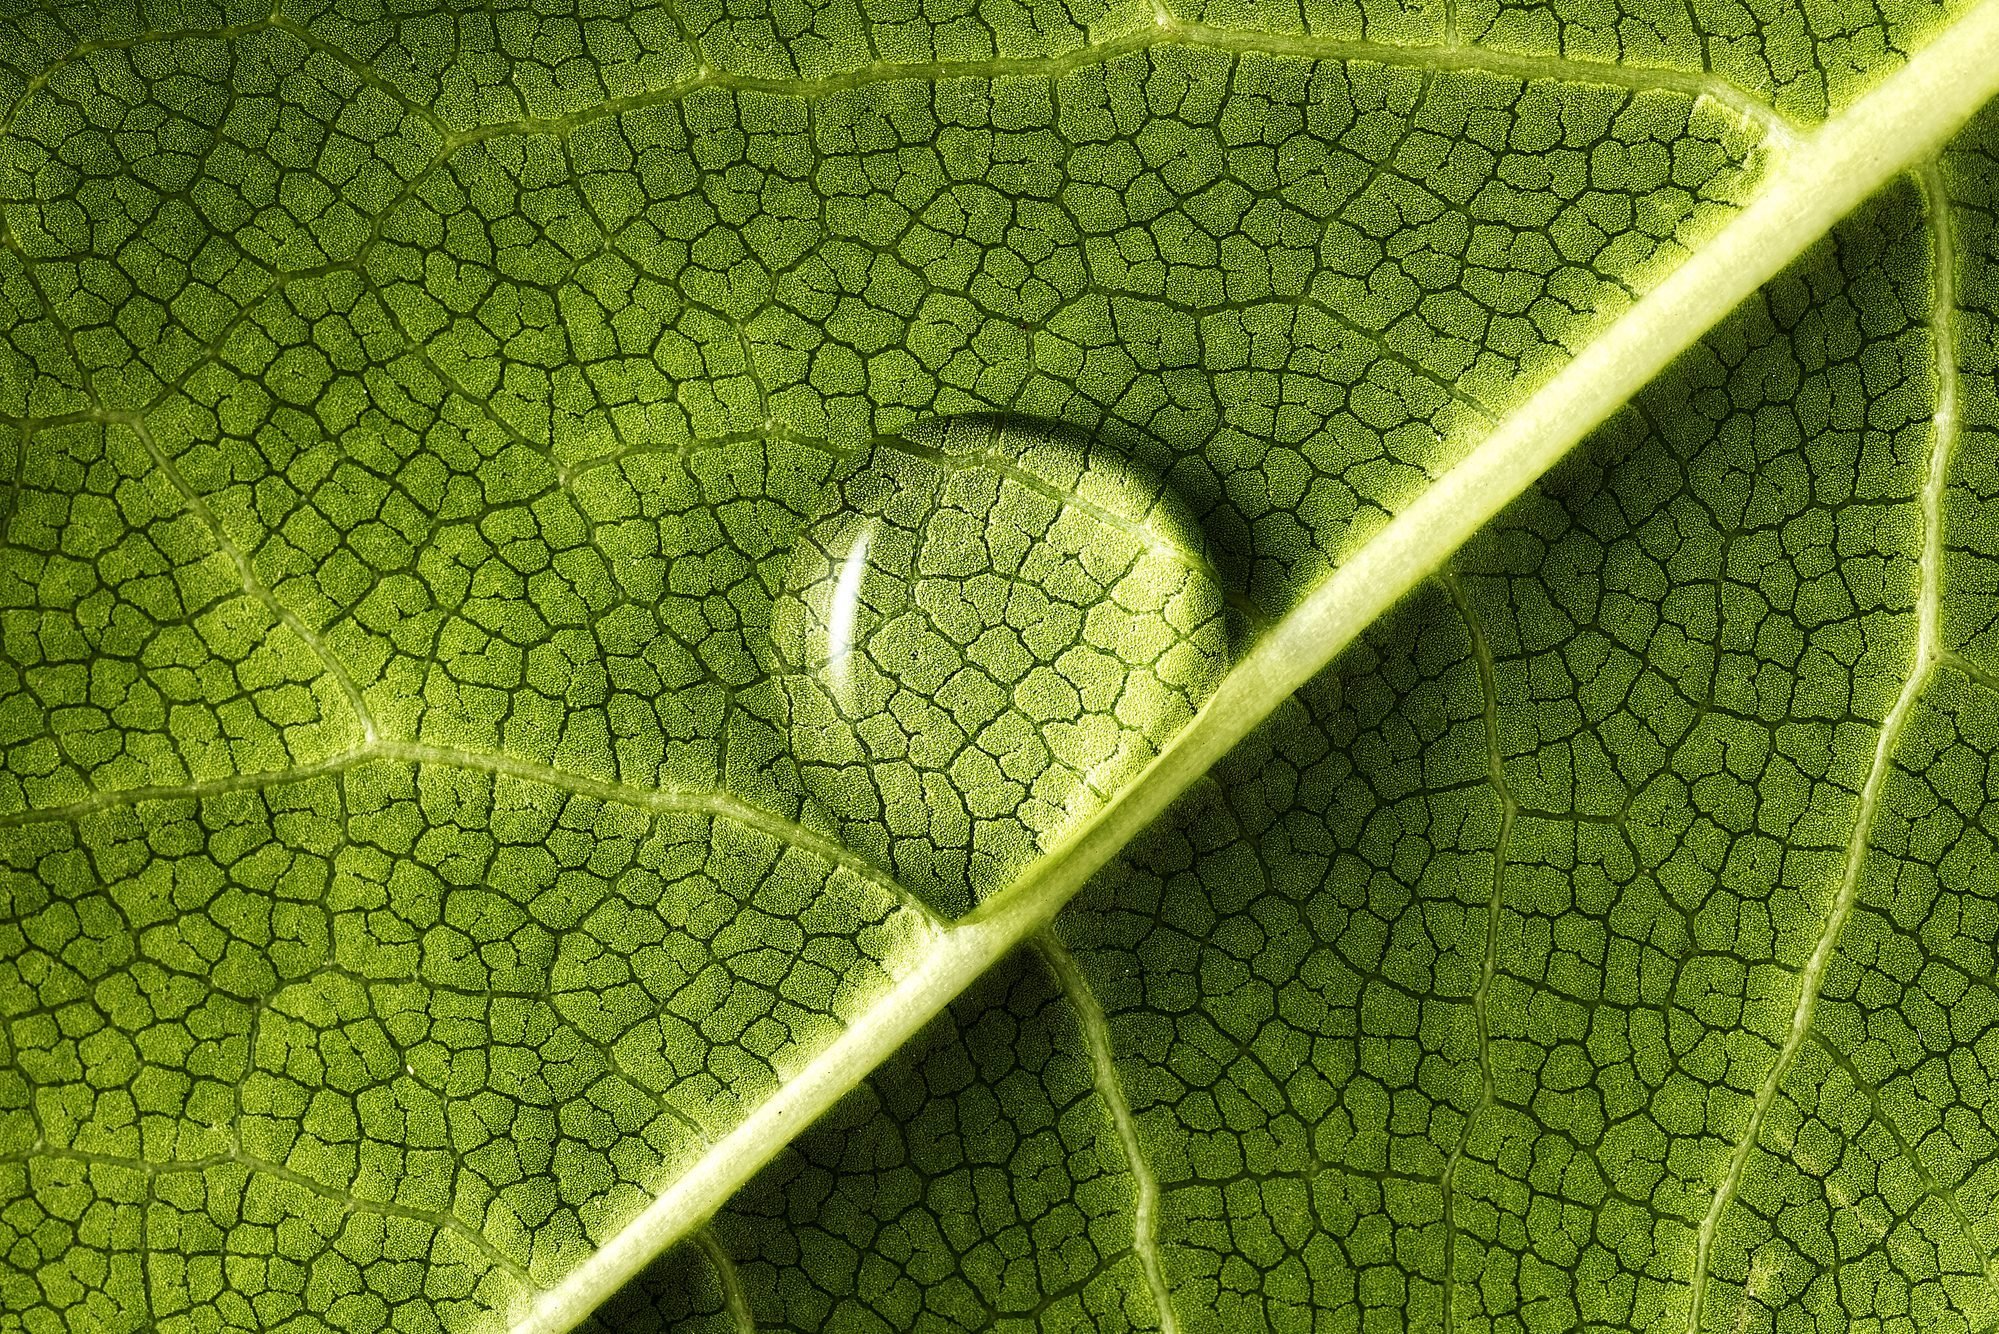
[845, 610]
[986, 631]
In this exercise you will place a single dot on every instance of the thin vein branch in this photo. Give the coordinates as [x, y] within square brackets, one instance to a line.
[657, 800]
[1164, 32]
[1922, 665]
[734, 1299]
[1096, 1031]
[711, 801]
[196, 790]
[1976, 673]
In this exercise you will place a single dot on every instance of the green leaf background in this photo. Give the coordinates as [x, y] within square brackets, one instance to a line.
[405, 415]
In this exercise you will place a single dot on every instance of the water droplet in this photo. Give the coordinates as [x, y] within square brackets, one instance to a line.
[987, 630]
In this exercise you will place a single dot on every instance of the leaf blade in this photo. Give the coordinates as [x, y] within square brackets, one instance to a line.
[1898, 125]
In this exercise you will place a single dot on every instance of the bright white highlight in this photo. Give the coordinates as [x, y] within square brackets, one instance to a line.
[840, 623]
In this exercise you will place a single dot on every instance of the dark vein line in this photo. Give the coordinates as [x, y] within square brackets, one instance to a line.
[254, 586]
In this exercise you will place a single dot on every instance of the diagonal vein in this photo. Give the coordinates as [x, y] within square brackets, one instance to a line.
[1811, 977]
[1096, 1029]
[1165, 32]
[734, 1300]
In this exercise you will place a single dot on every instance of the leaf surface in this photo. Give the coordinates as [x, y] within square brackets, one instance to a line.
[416, 867]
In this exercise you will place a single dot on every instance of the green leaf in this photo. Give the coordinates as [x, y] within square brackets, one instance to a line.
[450, 851]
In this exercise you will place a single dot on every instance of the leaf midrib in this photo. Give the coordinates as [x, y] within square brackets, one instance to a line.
[1823, 177]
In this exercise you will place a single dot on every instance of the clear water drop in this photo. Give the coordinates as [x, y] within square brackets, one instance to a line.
[987, 629]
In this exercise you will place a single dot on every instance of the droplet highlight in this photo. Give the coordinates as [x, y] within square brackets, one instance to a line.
[987, 630]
